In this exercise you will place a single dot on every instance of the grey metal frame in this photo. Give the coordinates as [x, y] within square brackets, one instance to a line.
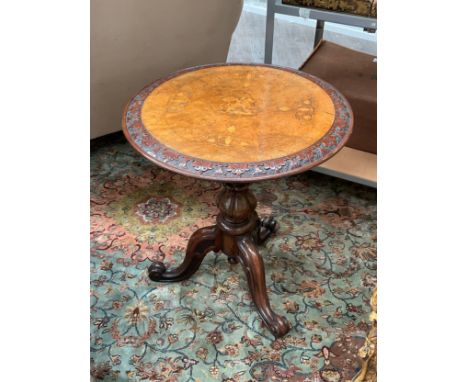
[276, 6]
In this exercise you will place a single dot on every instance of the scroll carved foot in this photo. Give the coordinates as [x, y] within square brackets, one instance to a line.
[201, 242]
[265, 228]
[252, 262]
[232, 260]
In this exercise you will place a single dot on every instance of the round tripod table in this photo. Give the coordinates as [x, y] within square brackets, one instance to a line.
[236, 124]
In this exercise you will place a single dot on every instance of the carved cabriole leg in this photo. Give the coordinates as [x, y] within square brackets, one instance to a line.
[201, 242]
[252, 262]
[241, 229]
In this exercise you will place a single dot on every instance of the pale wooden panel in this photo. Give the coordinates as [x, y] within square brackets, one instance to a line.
[350, 164]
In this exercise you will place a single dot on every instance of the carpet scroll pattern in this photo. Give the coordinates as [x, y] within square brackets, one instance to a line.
[320, 269]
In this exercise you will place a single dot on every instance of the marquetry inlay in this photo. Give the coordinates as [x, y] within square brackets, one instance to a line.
[238, 113]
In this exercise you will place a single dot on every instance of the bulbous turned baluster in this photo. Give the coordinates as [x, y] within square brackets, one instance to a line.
[236, 204]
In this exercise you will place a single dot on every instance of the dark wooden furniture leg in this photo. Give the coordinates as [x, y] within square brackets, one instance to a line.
[201, 242]
[237, 232]
[252, 262]
[265, 228]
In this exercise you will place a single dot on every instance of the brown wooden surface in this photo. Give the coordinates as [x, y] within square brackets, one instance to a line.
[243, 170]
[355, 75]
[238, 113]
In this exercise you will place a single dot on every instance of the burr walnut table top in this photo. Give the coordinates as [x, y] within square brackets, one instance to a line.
[238, 123]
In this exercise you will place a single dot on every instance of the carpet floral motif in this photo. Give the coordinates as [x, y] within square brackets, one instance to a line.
[157, 210]
[320, 270]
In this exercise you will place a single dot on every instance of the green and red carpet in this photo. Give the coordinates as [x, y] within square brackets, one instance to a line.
[320, 267]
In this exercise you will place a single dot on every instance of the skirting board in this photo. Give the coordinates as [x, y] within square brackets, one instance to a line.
[353, 165]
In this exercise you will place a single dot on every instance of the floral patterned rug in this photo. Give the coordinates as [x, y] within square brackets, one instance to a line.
[320, 268]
